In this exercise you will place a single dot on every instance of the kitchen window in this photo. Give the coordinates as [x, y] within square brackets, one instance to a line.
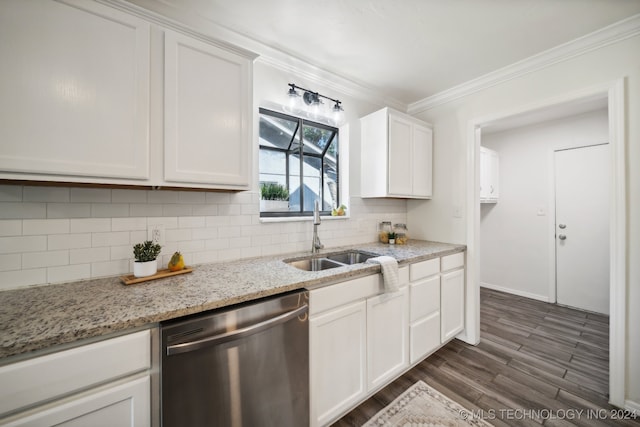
[301, 157]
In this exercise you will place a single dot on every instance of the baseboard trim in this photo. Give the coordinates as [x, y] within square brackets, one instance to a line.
[632, 406]
[514, 292]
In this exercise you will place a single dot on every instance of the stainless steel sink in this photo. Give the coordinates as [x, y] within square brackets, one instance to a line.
[314, 264]
[331, 260]
[351, 257]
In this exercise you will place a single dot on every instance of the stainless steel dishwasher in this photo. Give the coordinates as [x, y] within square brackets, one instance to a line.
[247, 365]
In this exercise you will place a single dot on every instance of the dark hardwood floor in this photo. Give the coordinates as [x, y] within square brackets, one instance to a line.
[534, 358]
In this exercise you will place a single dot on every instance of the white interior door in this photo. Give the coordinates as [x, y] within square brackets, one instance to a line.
[582, 227]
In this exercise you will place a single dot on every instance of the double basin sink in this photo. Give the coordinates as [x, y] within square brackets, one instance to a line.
[330, 260]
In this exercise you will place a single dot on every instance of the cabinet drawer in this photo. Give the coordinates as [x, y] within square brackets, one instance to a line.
[43, 378]
[450, 262]
[425, 298]
[333, 296]
[423, 269]
[424, 337]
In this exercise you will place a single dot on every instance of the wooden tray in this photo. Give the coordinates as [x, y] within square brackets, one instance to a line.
[132, 280]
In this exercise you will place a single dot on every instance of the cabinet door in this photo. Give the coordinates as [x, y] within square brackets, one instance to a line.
[494, 190]
[207, 121]
[123, 405]
[489, 176]
[75, 91]
[424, 331]
[452, 304]
[400, 141]
[422, 161]
[337, 352]
[424, 336]
[387, 331]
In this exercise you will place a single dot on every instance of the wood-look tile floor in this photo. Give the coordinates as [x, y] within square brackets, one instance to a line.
[534, 358]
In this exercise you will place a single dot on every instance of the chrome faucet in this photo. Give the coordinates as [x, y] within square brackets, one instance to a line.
[315, 243]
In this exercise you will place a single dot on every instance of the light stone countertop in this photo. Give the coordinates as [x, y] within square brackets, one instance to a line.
[41, 317]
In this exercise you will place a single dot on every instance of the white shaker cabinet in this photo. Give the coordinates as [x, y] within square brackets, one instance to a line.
[81, 96]
[75, 92]
[397, 156]
[338, 354]
[387, 337]
[452, 296]
[424, 309]
[206, 114]
[105, 383]
[122, 405]
[489, 175]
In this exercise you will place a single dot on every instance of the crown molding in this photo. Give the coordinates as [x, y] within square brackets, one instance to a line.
[613, 33]
[167, 14]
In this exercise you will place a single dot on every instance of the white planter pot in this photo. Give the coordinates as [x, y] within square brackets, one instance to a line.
[144, 269]
[274, 205]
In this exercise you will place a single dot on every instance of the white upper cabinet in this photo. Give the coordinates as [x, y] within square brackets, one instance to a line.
[397, 156]
[207, 106]
[74, 93]
[489, 175]
[85, 85]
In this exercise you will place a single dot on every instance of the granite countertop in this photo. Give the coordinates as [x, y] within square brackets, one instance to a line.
[40, 317]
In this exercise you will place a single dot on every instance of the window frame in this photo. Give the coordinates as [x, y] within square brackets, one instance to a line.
[300, 123]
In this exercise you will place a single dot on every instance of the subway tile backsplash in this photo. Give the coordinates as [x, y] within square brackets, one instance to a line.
[60, 234]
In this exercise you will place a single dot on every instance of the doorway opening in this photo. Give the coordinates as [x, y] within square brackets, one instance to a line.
[613, 93]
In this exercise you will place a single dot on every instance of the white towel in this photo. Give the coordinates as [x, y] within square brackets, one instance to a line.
[389, 267]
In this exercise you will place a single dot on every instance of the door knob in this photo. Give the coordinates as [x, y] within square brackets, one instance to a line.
[562, 237]
[562, 226]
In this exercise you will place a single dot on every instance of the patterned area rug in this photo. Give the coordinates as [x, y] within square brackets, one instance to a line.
[422, 406]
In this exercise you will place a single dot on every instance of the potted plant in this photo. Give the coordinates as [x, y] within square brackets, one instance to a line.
[274, 197]
[145, 255]
[392, 238]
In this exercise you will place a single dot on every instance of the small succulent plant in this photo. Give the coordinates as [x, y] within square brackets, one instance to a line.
[146, 251]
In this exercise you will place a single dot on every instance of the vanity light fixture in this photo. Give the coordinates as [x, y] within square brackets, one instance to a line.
[312, 99]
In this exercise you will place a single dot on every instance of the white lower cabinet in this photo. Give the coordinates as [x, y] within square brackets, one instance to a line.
[387, 344]
[452, 296]
[123, 405]
[362, 338]
[106, 383]
[358, 342]
[424, 330]
[337, 360]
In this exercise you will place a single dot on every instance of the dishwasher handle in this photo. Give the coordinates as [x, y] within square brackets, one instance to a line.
[236, 334]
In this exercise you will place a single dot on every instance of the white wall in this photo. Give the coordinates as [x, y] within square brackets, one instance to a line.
[434, 219]
[514, 238]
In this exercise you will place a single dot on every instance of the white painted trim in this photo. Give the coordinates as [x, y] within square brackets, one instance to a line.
[551, 227]
[632, 406]
[615, 92]
[613, 33]
[210, 32]
[514, 292]
[472, 289]
[618, 245]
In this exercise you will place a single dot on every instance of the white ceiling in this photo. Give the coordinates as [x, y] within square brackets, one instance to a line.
[410, 49]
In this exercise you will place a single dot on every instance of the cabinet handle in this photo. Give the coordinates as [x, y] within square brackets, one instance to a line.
[234, 335]
[562, 237]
